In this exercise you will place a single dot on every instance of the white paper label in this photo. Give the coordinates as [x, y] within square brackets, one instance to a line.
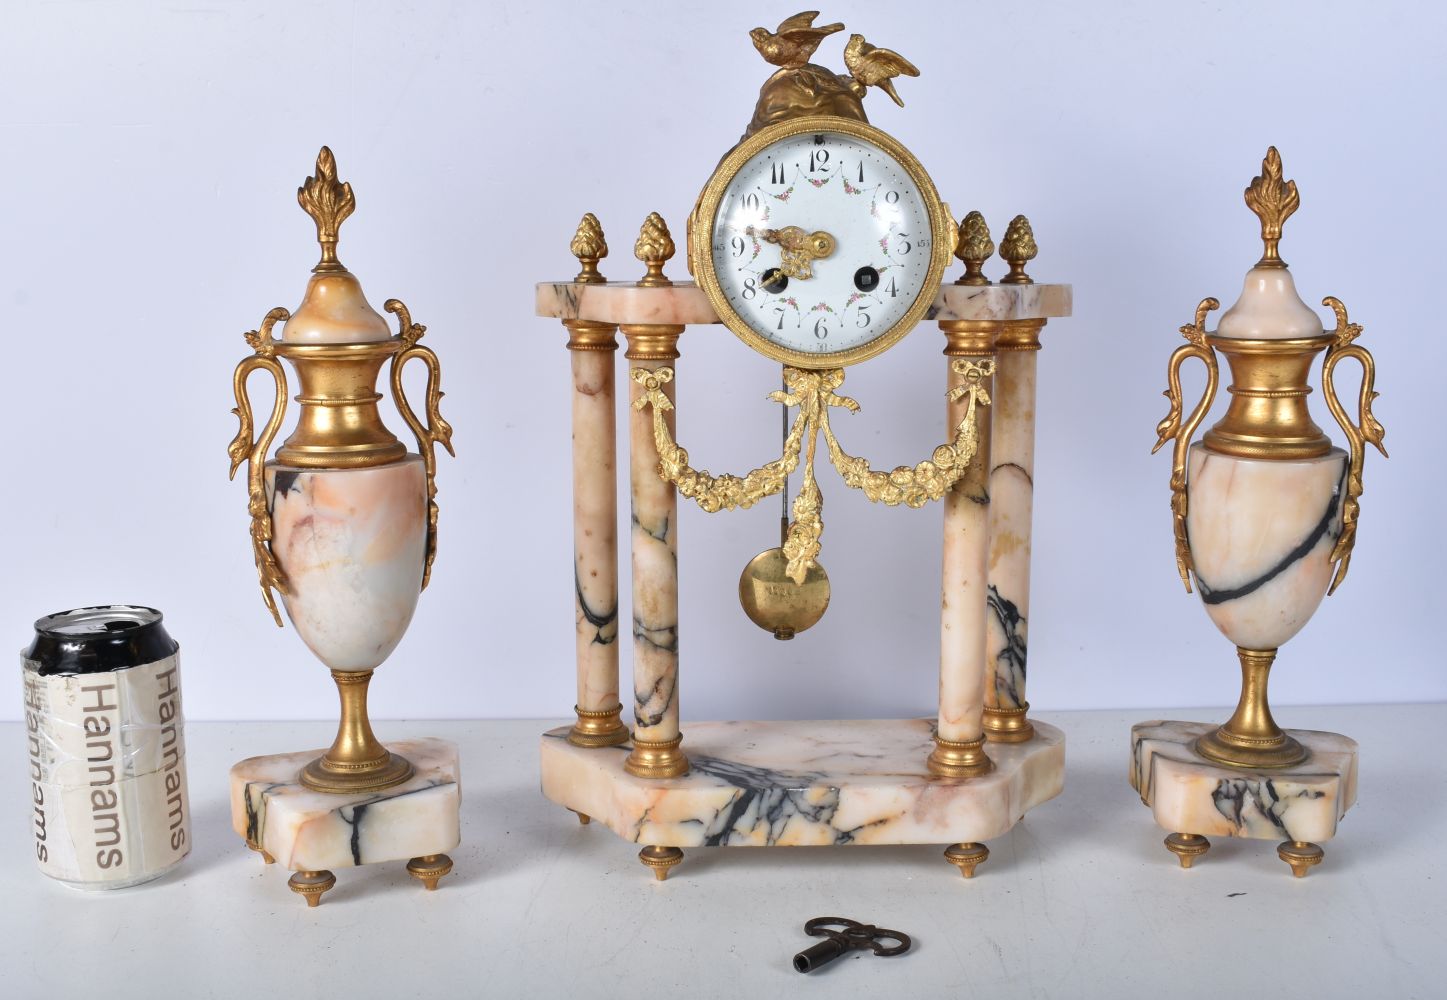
[108, 773]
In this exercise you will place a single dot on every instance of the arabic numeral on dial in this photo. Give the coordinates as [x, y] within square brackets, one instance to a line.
[750, 290]
[779, 312]
[821, 329]
[751, 202]
[738, 245]
[863, 319]
[904, 246]
[818, 160]
[776, 174]
[892, 288]
[861, 171]
[891, 197]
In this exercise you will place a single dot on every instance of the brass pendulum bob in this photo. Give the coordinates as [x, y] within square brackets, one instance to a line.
[774, 602]
[769, 596]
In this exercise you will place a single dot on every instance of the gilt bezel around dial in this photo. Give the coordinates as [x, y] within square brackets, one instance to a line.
[703, 251]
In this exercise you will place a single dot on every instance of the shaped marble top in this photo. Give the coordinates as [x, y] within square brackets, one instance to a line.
[684, 302]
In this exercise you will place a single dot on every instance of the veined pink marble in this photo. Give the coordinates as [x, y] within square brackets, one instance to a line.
[334, 311]
[963, 592]
[595, 529]
[655, 576]
[1261, 535]
[1189, 794]
[311, 831]
[623, 302]
[620, 302]
[977, 302]
[1269, 309]
[1012, 493]
[351, 543]
[798, 784]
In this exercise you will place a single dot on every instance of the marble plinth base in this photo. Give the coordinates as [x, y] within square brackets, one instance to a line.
[1188, 794]
[799, 784]
[309, 831]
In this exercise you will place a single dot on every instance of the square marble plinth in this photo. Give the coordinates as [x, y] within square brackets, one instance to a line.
[311, 831]
[797, 784]
[1192, 795]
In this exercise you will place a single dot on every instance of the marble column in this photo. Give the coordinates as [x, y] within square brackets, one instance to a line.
[654, 544]
[959, 741]
[1012, 488]
[595, 534]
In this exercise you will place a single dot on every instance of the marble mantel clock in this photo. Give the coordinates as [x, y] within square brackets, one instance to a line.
[820, 241]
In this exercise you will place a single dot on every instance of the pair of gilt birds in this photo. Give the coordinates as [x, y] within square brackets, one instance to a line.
[792, 45]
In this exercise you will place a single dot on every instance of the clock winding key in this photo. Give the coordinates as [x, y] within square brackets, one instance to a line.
[854, 936]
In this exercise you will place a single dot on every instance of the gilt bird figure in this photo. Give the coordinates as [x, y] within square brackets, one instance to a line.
[872, 66]
[792, 45]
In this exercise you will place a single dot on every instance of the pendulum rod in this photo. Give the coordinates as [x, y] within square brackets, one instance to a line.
[783, 443]
[784, 590]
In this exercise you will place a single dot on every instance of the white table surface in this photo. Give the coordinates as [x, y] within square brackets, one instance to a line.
[1079, 901]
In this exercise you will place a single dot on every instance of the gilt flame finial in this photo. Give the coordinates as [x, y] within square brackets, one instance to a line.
[1273, 201]
[329, 202]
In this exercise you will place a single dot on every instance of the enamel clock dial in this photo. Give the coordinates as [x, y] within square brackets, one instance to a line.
[821, 241]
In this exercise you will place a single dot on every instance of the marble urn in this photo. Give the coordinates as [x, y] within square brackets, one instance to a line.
[343, 528]
[1265, 510]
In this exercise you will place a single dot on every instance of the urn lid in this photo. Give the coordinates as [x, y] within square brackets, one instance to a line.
[334, 310]
[1269, 307]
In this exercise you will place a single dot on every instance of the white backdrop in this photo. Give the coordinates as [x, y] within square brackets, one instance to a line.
[150, 155]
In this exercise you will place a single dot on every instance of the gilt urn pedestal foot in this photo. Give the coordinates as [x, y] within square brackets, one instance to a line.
[1197, 799]
[312, 833]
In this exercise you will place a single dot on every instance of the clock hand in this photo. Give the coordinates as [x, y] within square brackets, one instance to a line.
[797, 249]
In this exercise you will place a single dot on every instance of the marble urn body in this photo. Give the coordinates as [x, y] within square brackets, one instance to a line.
[352, 543]
[1262, 534]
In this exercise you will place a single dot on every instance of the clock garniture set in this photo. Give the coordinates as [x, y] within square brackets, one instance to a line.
[821, 241]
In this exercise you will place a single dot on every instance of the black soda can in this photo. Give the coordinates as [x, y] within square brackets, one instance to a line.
[106, 742]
